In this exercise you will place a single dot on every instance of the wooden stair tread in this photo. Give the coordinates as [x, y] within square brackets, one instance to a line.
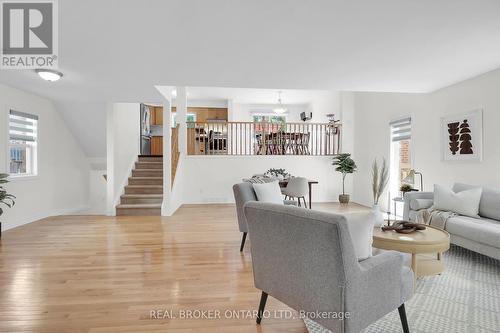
[142, 195]
[138, 206]
[145, 177]
[144, 192]
[147, 186]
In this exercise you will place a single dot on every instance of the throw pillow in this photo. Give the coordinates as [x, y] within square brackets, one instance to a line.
[418, 204]
[360, 227]
[463, 203]
[268, 192]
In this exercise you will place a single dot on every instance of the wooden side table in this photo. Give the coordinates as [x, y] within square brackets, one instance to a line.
[425, 246]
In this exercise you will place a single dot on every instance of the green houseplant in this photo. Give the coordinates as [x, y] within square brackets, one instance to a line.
[5, 198]
[344, 164]
[405, 188]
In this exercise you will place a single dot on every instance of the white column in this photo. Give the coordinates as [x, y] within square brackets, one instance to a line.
[230, 110]
[110, 157]
[181, 109]
[167, 156]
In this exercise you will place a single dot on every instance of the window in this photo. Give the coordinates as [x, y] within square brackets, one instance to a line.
[22, 143]
[190, 117]
[278, 120]
[271, 119]
[401, 155]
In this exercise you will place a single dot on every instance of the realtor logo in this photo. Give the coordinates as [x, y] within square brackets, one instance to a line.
[29, 34]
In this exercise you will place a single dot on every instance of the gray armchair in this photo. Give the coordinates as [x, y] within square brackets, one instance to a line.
[306, 260]
[243, 193]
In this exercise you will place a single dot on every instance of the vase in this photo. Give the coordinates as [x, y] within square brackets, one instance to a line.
[378, 218]
[344, 198]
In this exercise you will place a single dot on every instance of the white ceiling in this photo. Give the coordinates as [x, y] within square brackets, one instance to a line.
[248, 95]
[118, 50]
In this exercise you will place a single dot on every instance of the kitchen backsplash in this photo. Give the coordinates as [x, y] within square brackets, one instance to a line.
[156, 130]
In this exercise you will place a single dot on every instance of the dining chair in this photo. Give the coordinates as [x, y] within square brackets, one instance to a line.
[297, 187]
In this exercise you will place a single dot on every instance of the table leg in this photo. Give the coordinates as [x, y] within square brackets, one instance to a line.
[439, 256]
[310, 196]
[414, 265]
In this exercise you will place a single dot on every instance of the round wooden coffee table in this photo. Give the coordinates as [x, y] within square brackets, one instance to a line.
[425, 246]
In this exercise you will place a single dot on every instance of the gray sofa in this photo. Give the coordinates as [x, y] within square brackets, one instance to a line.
[481, 235]
[306, 259]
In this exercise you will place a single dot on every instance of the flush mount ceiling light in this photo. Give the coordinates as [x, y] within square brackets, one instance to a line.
[280, 109]
[49, 74]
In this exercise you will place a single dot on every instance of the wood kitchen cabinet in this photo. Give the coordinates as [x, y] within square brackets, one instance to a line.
[156, 115]
[204, 114]
[156, 145]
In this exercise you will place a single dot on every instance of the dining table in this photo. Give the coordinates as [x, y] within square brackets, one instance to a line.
[284, 183]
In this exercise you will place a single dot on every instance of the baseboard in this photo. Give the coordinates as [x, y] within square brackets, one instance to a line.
[58, 212]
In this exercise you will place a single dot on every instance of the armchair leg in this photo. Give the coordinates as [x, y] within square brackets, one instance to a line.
[402, 316]
[262, 305]
[243, 241]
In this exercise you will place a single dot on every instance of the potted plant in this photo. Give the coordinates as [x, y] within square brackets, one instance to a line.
[405, 188]
[345, 165]
[280, 174]
[5, 198]
[380, 178]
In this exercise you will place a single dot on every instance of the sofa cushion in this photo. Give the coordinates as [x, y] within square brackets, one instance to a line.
[464, 202]
[268, 192]
[490, 200]
[417, 204]
[482, 230]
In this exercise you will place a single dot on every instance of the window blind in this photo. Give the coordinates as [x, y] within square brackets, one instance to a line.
[22, 126]
[401, 129]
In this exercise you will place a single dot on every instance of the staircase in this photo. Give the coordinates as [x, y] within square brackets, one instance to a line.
[144, 192]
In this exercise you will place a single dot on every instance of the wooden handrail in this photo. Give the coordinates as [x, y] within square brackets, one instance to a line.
[263, 138]
[174, 152]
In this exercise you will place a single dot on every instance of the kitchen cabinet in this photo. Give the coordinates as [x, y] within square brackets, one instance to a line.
[204, 114]
[156, 115]
[156, 145]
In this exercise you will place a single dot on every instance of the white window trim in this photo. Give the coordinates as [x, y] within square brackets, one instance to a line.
[16, 177]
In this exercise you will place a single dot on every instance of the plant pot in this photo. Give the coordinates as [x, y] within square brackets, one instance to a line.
[377, 216]
[344, 198]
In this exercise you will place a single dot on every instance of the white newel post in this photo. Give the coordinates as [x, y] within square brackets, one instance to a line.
[181, 108]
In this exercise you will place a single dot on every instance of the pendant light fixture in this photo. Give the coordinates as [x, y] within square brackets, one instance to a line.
[280, 109]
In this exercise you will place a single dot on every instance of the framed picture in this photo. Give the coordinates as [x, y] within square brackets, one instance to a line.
[462, 136]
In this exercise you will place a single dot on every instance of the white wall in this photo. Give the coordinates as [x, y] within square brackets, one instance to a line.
[97, 192]
[374, 111]
[62, 184]
[321, 104]
[210, 178]
[125, 134]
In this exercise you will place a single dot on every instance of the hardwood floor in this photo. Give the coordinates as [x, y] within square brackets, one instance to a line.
[106, 274]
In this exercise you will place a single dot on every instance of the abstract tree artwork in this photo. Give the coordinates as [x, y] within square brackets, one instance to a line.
[453, 129]
[463, 136]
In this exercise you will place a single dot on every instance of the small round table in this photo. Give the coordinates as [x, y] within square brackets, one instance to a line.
[425, 246]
